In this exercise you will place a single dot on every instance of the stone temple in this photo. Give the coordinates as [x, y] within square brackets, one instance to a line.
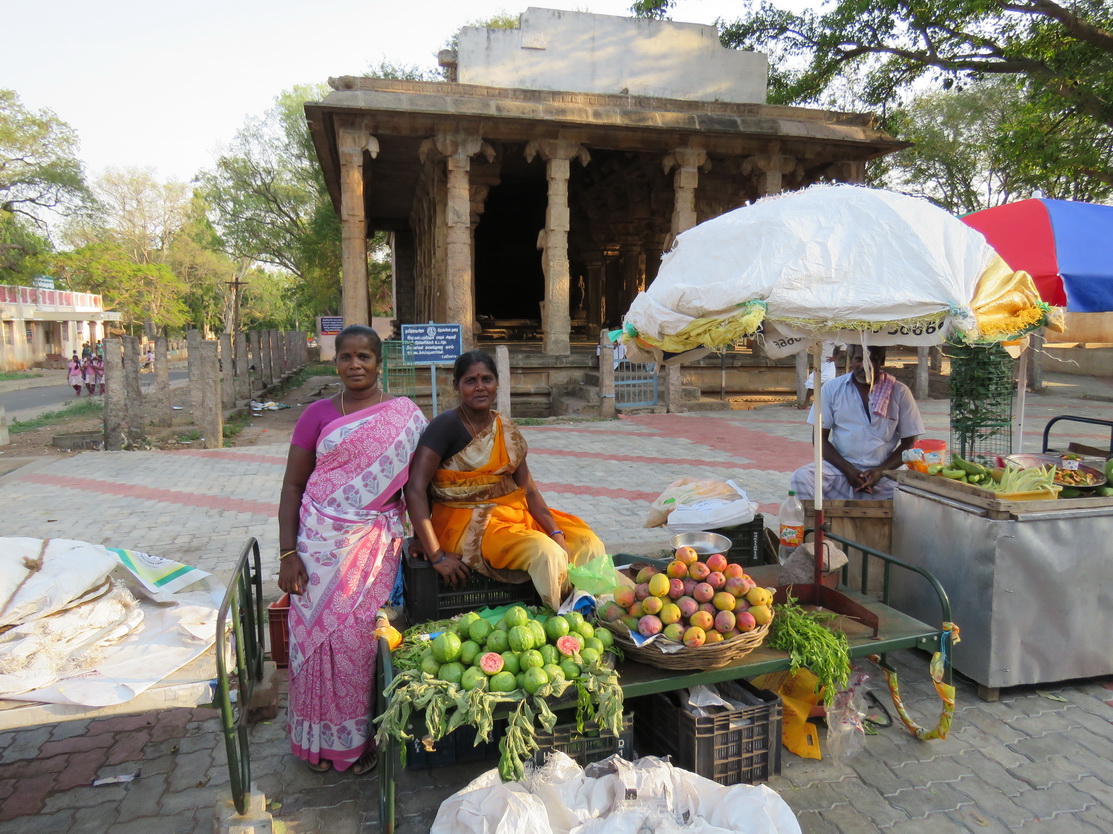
[529, 197]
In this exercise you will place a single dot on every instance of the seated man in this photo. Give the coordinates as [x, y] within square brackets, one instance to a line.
[866, 427]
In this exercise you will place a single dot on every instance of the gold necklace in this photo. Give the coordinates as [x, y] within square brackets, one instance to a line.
[474, 431]
[343, 413]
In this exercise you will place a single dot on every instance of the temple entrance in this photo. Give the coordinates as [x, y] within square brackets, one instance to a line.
[509, 281]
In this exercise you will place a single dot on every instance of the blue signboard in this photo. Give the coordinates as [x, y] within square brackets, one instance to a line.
[432, 344]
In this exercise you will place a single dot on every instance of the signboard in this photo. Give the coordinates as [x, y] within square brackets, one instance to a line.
[43, 282]
[331, 325]
[433, 344]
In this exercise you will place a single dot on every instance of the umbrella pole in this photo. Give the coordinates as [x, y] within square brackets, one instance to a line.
[817, 449]
[1021, 391]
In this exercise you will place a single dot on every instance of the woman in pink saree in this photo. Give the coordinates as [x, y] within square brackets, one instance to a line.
[340, 535]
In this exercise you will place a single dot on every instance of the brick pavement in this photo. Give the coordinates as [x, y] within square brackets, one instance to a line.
[1040, 759]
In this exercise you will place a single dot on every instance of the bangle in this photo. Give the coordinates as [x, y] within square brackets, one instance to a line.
[443, 557]
[284, 553]
[556, 533]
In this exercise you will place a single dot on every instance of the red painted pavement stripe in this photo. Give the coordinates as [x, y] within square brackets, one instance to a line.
[599, 492]
[630, 458]
[146, 493]
[217, 453]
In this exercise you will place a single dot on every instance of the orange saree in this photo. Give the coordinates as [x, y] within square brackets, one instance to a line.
[479, 512]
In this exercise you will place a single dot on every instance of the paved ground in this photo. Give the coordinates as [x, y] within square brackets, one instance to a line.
[1040, 759]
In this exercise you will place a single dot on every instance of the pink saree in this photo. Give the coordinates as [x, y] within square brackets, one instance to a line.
[349, 538]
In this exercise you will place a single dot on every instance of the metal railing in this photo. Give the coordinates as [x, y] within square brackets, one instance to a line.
[239, 657]
[399, 376]
[635, 384]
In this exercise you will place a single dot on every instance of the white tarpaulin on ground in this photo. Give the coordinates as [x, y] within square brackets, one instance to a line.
[614, 796]
[74, 634]
[833, 262]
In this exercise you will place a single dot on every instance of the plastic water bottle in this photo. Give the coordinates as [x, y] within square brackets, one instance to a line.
[792, 526]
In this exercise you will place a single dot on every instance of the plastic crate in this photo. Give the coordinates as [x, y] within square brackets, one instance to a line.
[430, 598]
[589, 746]
[732, 747]
[458, 747]
[277, 614]
[747, 542]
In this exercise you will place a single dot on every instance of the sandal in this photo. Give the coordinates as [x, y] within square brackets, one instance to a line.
[323, 766]
[366, 763]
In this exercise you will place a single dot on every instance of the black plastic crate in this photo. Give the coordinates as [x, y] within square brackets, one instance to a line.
[747, 542]
[732, 747]
[458, 747]
[428, 597]
[590, 746]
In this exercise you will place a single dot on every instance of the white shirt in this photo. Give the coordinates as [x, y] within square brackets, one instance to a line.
[865, 439]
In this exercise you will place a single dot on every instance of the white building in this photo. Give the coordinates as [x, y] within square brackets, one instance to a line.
[38, 326]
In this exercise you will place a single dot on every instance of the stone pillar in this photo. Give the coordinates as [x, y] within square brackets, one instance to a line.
[196, 398]
[688, 162]
[133, 390]
[606, 377]
[458, 290]
[227, 373]
[264, 363]
[208, 418]
[162, 414]
[922, 375]
[257, 383]
[243, 376]
[5, 439]
[673, 390]
[276, 355]
[801, 376]
[556, 322]
[769, 170]
[115, 396]
[502, 365]
[352, 140]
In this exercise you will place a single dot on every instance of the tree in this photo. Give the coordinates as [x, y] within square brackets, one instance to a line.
[22, 250]
[985, 144]
[39, 168]
[1061, 57]
[122, 250]
[269, 203]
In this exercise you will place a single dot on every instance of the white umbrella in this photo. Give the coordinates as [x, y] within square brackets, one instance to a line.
[832, 262]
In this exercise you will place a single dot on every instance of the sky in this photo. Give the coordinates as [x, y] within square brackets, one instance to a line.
[166, 85]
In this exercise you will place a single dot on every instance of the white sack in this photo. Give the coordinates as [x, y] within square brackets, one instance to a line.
[69, 569]
[563, 799]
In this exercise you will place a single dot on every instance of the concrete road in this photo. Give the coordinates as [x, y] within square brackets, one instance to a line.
[31, 402]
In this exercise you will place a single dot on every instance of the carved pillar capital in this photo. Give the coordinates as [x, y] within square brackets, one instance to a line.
[352, 139]
[686, 159]
[460, 147]
[557, 149]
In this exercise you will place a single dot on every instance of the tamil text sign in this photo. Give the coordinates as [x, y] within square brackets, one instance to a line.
[432, 344]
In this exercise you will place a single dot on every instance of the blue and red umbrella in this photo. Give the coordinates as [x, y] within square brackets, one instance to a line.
[1066, 247]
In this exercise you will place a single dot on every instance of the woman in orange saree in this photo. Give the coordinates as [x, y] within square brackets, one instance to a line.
[474, 504]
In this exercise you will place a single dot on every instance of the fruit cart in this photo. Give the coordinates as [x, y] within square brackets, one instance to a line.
[890, 630]
[1031, 580]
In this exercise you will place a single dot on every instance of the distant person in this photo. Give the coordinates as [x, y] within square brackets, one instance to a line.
[98, 373]
[75, 374]
[150, 359]
[100, 349]
[828, 371]
[868, 420]
[89, 374]
[86, 351]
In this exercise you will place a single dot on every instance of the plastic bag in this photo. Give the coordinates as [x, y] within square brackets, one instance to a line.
[686, 491]
[595, 576]
[844, 719]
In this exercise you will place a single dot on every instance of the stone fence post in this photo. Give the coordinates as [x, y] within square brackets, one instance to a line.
[673, 390]
[243, 377]
[134, 392]
[923, 377]
[502, 366]
[266, 373]
[206, 389]
[257, 363]
[227, 373]
[801, 377]
[607, 404]
[4, 438]
[115, 396]
[161, 413]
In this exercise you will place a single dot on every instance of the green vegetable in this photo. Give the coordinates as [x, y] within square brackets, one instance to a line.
[953, 474]
[968, 467]
[936, 468]
[812, 645]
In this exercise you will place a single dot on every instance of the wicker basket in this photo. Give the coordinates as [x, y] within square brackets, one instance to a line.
[710, 656]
